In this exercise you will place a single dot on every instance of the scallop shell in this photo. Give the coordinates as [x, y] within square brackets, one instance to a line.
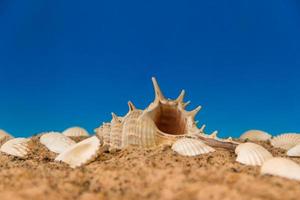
[80, 153]
[281, 167]
[16, 147]
[286, 141]
[256, 135]
[4, 136]
[191, 147]
[56, 142]
[294, 151]
[75, 132]
[115, 133]
[252, 154]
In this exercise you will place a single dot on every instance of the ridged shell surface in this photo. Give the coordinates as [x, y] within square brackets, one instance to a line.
[75, 132]
[191, 147]
[281, 167]
[256, 135]
[252, 154]
[16, 147]
[4, 136]
[294, 151]
[80, 153]
[286, 141]
[56, 142]
[139, 130]
[116, 136]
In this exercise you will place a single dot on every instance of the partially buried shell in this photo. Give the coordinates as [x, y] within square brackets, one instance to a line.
[286, 141]
[252, 154]
[56, 142]
[80, 153]
[75, 132]
[191, 147]
[256, 135]
[294, 152]
[4, 136]
[281, 167]
[115, 133]
[16, 147]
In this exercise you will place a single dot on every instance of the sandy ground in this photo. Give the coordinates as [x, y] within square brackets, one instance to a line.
[140, 174]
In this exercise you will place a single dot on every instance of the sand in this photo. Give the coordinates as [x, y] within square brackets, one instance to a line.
[140, 174]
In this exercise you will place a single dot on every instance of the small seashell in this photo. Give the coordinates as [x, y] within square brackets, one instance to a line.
[56, 142]
[281, 167]
[4, 136]
[16, 147]
[252, 154]
[115, 133]
[294, 151]
[256, 135]
[80, 153]
[191, 147]
[75, 132]
[286, 141]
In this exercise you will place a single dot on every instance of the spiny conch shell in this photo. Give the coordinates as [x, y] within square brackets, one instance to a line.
[80, 153]
[4, 136]
[16, 147]
[56, 142]
[138, 129]
[286, 141]
[281, 167]
[294, 151]
[256, 135]
[191, 147]
[252, 154]
[75, 132]
[115, 133]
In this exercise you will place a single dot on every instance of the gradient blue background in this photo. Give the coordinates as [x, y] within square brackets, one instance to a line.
[66, 63]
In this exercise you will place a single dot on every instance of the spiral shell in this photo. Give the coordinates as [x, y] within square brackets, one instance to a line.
[294, 151]
[16, 147]
[4, 136]
[256, 135]
[191, 147]
[281, 167]
[286, 141]
[252, 154]
[80, 153]
[56, 142]
[75, 132]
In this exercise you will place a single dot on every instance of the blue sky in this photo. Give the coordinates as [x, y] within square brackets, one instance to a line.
[66, 63]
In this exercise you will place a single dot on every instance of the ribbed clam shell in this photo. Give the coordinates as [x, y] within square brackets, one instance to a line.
[191, 147]
[80, 153]
[256, 135]
[116, 136]
[4, 136]
[106, 133]
[252, 154]
[75, 132]
[139, 130]
[294, 151]
[56, 142]
[16, 147]
[281, 167]
[286, 141]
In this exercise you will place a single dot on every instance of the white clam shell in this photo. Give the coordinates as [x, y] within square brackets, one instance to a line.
[56, 142]
[80, 153]
[294, 151]
[4, 136]
[191, 147]
[281, 167]
[256, 135]
[286, 141]
[75, 132]
[16, 147]
[252, 154]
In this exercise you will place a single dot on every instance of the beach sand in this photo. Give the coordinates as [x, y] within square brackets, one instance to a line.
[135, 173]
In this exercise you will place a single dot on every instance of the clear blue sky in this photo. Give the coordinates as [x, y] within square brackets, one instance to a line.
[66, 63]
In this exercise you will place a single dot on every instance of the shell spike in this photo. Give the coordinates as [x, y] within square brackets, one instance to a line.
[131, 106]
[202, 128]
[114, 117]
[214, 135]
[180, 97]
[186, 104]
[158, 93]
[194, 112]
